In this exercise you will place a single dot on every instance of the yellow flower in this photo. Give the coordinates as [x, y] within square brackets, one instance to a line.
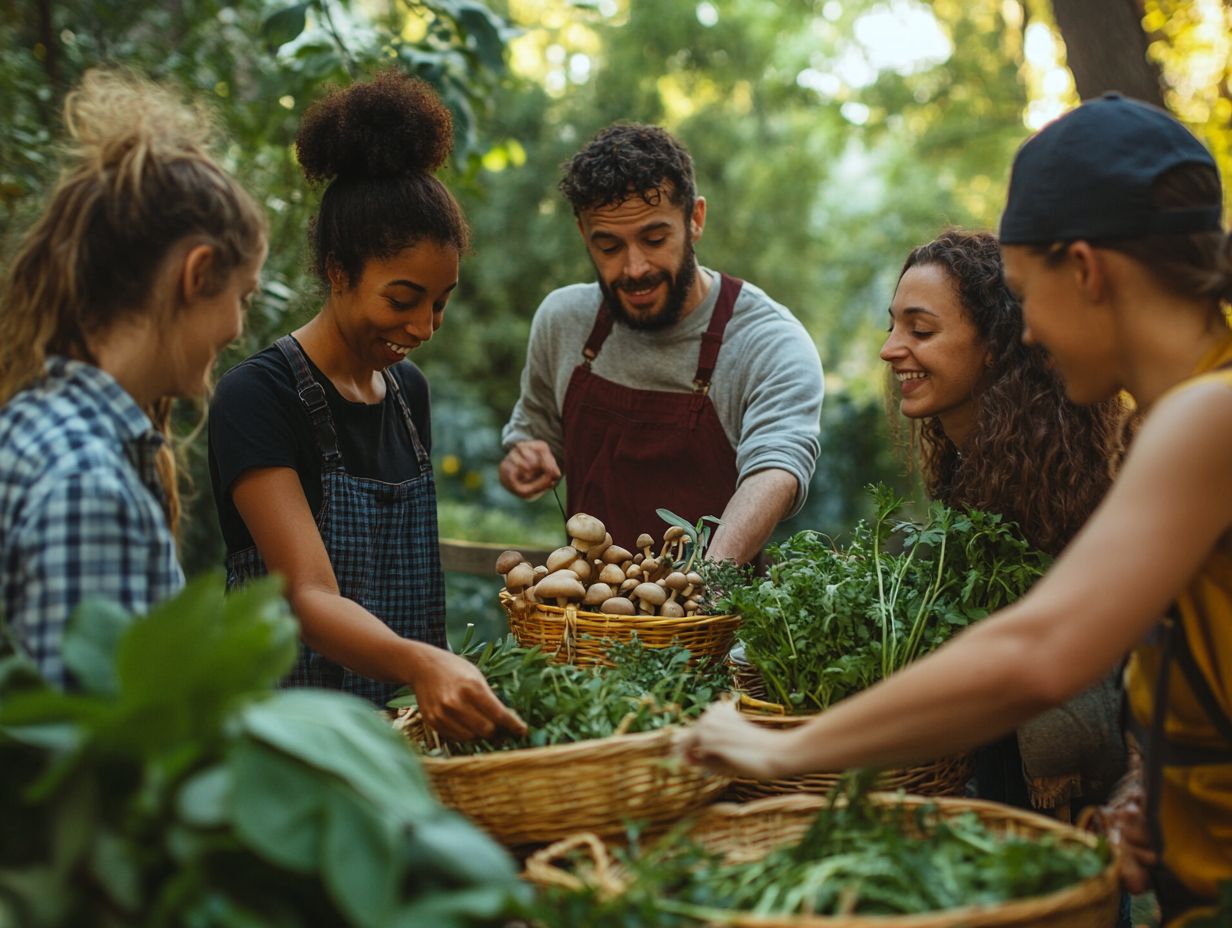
[450, 465]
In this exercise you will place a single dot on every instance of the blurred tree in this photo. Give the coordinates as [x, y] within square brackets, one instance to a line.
[1107, 49]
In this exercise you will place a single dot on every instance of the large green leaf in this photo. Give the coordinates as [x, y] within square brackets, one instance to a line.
[204, 800]
[360, 860]
[91, 642]
[447, 848]
[344, 736]
[284, 25]
[278, 806]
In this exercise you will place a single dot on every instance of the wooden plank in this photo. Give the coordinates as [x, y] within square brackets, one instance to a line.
[476, 557]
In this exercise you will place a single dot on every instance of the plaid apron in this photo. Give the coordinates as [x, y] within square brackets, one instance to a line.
[381, 538]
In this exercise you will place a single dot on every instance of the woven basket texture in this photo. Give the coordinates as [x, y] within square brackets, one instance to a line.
[749, 831]
[572, 636]
[535, 795]
[946, 776]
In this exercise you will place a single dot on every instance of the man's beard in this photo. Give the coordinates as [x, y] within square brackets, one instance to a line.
[679, 285]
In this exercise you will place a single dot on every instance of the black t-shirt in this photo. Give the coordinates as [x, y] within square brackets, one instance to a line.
[258, 420]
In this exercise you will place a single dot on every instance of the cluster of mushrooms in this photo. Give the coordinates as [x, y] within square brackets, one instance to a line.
[599, 576]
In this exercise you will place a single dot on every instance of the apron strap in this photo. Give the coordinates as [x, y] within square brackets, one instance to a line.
[712, 340]
[312, 395]
[391, 383]
[598, 333]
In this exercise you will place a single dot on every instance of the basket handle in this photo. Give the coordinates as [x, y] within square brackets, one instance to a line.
[542, 866]
[749, 702]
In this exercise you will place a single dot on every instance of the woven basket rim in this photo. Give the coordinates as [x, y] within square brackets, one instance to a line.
[1012, 911]
[648, 620]
[574, 750]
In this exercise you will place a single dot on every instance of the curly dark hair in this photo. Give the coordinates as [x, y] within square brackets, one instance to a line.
[629, 159]
[376, 144]
[1032, 455]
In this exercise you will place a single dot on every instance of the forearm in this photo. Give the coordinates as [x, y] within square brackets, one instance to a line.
[761, 500]
[350, 635]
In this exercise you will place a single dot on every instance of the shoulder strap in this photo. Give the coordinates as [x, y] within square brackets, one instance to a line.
[312, 395]
[395, 390]
[712, 340]
[598, 333]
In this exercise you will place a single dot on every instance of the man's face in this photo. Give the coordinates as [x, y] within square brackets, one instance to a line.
[642, 250]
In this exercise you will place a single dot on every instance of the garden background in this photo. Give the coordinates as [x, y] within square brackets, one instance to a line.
[830, 137]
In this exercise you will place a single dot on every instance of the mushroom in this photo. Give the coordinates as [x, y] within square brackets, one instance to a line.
[611, 575]
[629, 585]
[584, 530]
[540, 573]
[695, 582]
[618, 605]
[519, 577]
[650, 595]
[615, 554]
[561, 586]
[508, 560]
[597, 594]
[582, 568]
[672, 609]
[561, 557]
[596, 551]
[673, 534]
[645, 542]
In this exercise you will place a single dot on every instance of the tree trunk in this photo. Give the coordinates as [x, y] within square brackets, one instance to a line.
[1106, 48]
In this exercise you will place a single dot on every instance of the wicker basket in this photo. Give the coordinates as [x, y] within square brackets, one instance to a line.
[947, 776]
[535, 795]
[575, 637]
[749, 831]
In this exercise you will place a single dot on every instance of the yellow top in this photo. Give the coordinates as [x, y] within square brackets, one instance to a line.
[1195, 803]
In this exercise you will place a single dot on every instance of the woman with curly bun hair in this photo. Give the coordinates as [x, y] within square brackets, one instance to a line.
[319, 443]
[117, 301]
[993, 430]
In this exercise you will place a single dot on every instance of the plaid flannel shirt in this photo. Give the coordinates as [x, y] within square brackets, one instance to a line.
[81, 507]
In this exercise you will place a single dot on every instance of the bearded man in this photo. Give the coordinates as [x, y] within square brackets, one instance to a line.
[664, 384]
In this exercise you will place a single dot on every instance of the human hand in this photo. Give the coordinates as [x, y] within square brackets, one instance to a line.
[529, 469]
[726, 743]
[1124, 818]
[455, 699]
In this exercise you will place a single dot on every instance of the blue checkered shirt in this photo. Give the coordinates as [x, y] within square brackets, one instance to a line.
[81, 507]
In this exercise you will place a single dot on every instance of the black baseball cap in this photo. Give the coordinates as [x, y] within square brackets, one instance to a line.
[1089, 175]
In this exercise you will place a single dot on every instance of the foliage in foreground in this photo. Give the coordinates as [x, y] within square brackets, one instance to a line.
[646, 689]
[857, 858]
[176, 788]
[827, 621]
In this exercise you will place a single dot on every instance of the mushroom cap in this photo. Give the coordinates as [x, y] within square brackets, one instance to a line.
[676, 580]
[520, 576]
[540, 573]
[650, 593]
[617, 605]
[671, 609]
[644, 541]
[563, 584]
[596, 550]
[694, 578]
[598, 593]
[630, 584]
[612, 574]
[585, 528]
[615, 554]
[508, 560]
[560, 557]
[673, 533]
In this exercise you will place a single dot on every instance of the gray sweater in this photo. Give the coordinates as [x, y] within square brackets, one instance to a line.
[767, 385]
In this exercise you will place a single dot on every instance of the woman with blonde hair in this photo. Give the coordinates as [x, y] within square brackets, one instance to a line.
[117, 301]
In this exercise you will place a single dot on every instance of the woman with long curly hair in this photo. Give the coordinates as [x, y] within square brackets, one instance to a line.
[319, 443]
[992, 429]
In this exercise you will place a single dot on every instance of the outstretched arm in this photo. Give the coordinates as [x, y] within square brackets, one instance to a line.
[453, 695]
[759, 503]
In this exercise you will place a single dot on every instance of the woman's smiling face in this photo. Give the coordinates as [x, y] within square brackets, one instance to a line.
[397, 303]
[938, 358]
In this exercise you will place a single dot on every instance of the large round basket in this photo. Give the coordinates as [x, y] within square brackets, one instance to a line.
[749, 831]
[535, 795]
[946, 776]
[572, 636]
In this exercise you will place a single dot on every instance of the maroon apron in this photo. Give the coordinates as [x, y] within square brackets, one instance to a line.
[629, 452]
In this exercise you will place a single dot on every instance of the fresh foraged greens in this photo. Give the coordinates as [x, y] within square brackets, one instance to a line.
[176, 787]
[857, 858]
[827, 621]
[646, 689]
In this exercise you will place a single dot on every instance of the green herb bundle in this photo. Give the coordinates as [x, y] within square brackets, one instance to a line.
[857, 858]
[175, 786]
[827, 621]
[648, 688]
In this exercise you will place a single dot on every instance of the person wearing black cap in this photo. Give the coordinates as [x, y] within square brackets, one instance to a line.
[1113, 242]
